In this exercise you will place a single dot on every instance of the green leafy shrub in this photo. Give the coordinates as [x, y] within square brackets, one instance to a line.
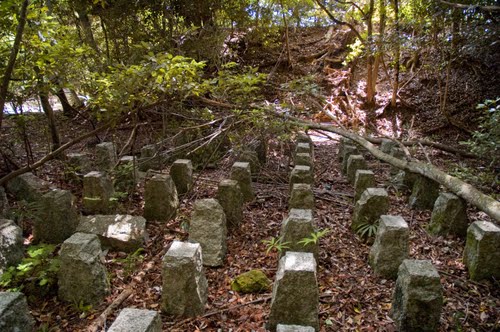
[486, 140]
[367, 230]
[37, 273]
[275, 244]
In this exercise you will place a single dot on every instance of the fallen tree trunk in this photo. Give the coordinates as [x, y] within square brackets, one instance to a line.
[468, 192]
[424, 142]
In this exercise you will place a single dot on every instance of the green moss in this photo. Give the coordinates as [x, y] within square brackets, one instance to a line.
[253, 281]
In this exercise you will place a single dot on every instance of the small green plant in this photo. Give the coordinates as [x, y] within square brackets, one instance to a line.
[367, 230]
[486, 141]
[124, 176]
[275, 244]
[82, 308]
[130, 262]
[38, 270]
[314, 239]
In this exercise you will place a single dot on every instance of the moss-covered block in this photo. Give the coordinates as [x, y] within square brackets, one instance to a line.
[254, 281]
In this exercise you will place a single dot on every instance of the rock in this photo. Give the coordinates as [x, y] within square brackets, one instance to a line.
[79, 163]
[4, 203]
[106, 158]
[58, 218]
[449, 216]
[404, 180]
[208, 228]
[184, 284]
[304, 159]
[15, 314]
[97, 192]
[82, 278]
[355, 162]
[151, 158]
[250, 156]
[301, 174]
[297, 227]
[28, 187]
[301, 197]
[363, 180]
[293, 328]
[160, 198]
[390, 247]
[119, 232]
[240, 171]
[417, 299]
[387, 145]
[424, 194]
[482, 250]
[126, 174]
[11, 244]
[182, 175]
[347, 151]
[136, 320]
[295, 299]
[231, 199]
[254, 281]
[373, 203]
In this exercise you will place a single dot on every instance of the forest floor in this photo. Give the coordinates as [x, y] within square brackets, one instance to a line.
[352, 297]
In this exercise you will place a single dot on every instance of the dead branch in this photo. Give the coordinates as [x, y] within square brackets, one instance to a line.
[462, 6]
[100, 321]
[337, 21]
[53, 154]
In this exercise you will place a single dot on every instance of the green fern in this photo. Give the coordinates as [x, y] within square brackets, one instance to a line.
[276, 244]
[367, 230]
[314, 239]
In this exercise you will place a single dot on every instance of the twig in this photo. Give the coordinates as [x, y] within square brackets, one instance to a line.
[101, 320]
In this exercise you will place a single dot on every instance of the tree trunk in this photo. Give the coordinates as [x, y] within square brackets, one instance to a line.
[370, 93]
[47, 109]
[380, 44]
[455, 185]
[12, 58]
[68, 110]
[397, 52]
[287, 42]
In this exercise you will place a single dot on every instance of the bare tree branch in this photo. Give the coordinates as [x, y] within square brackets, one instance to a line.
[337, 21]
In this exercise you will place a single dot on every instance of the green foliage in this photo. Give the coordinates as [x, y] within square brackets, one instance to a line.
[240, 88]
[124, 175]
[486, 140]
[314, 239]
[356, 49]
[38, 270]
[82, 308]
[305, 85]
[130, 262]
[275, 244]
[367, 230]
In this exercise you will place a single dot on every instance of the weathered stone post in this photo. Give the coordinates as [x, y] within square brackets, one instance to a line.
[136, 320]
[82, 276]
[250, 156]
[79, 162]
[424, 194]
[15, 314]
[294, 328]
[97, 192]
[184, 290]
[231, 199]
[387, 145]
[301, 174]
[305, 148]
[304, 159]
[160, 198]
[373, 203]
[28, 187]
[363, 180]
[354, 163]
[301, 197]
[150, 158]
[295, 228]
[241, 172]
[119, 232]
[417, 299]
[303, 138]
[58, 218]
[390, 247]
[343, 141]
[295, 299]
[11, 244]
[106, 157]
[182, 175]
[208, 228]
[449, 216]
[347, 151]
[398, 153]
[482, 250]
